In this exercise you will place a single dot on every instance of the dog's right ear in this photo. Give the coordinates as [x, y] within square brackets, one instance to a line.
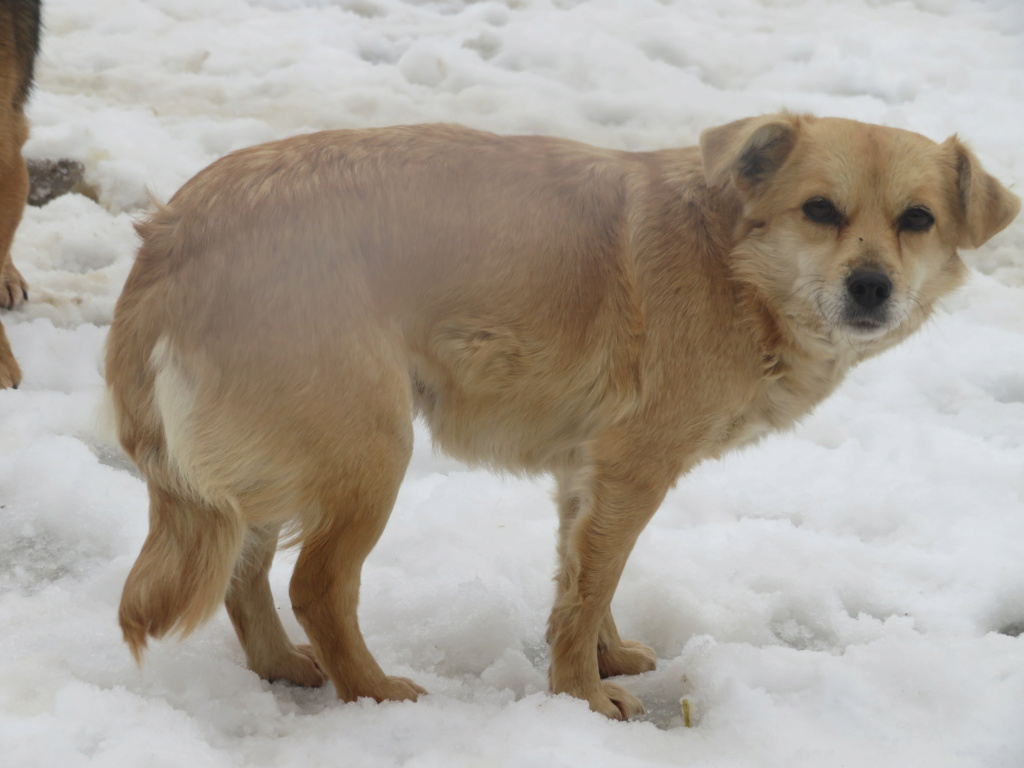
[747, 151]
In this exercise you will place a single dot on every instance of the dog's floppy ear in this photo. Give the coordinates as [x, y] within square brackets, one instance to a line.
[986, 205]
[747, 151]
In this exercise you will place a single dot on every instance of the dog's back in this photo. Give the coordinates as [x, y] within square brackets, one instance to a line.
[491, 275]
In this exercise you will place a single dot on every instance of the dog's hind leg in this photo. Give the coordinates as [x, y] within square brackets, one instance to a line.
[250, 605]
[357, 489]
[183, 570]
[615, 656]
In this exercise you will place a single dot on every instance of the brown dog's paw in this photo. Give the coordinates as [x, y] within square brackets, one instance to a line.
[627, 658]
[10, 373]
[615, 702]
[13, 288]
[299, 667]
[400, 689]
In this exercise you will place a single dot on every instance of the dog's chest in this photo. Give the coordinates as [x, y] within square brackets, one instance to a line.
[792, 387]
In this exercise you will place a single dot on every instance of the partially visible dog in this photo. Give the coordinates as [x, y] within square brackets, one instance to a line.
[612, 318]
[19, 43]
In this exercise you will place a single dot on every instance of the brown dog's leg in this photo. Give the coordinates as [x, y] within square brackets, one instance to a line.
[325, 585]
[13, 289]
[250, 605]
[10, 373]
[13, 194]
[615, 656]
[611, 515]
[325, 597]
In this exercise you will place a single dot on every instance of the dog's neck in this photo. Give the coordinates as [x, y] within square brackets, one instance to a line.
[801, 365]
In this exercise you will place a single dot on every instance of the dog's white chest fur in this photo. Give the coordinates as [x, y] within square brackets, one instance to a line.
[793, 386]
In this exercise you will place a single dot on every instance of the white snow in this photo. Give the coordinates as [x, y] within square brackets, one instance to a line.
[848, 594]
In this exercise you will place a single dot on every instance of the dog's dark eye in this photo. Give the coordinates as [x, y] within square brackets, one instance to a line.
[822, 211]
[916, 219]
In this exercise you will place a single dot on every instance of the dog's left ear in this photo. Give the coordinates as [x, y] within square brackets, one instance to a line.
[747, 151]
[986, 205]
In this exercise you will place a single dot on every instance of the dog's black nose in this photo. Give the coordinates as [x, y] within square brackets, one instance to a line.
[869, 288]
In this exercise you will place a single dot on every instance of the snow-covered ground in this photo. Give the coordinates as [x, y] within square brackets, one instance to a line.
[849, 594]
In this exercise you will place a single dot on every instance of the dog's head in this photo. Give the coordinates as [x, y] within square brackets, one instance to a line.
[851, 230]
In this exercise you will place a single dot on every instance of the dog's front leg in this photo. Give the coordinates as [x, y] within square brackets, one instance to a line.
[13, 288]
[13, 193]
[612, 511]
[615, 656]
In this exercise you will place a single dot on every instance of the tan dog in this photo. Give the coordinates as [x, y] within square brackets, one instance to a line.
[612, 318]
[19, 42]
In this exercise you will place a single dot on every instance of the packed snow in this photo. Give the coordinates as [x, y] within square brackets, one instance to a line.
[847, 594]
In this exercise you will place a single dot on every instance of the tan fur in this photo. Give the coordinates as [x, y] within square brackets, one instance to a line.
[611, 318]
[17, 28]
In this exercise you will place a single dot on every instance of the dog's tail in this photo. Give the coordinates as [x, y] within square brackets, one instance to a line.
[184, 569]
[195, 535]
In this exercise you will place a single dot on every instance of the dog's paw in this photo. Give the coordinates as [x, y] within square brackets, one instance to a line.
[626, 658]
[299, 667]
[399, 689]
[10, 373]
[615, 702]
[13, 288]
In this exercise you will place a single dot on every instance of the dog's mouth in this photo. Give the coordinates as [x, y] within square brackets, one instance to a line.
[853, 321]
[867, 326]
